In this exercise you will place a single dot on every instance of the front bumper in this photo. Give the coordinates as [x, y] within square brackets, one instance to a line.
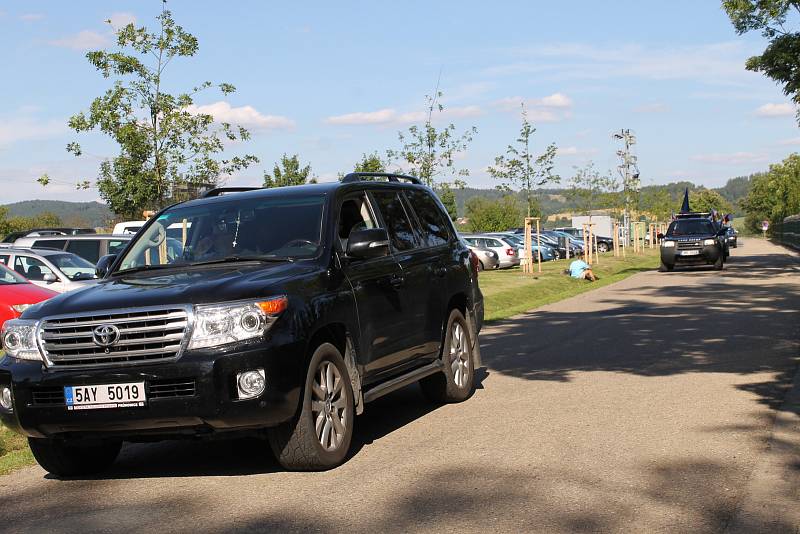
[211, 406]
[708, 254]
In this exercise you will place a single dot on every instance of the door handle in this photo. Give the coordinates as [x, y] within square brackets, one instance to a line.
[397, 281]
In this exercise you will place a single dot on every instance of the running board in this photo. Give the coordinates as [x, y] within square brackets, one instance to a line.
[401, 381]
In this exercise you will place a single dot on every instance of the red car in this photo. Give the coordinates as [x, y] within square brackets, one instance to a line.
[16, 294]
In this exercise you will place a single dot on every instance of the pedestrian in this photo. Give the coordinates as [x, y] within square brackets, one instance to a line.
[581, 270]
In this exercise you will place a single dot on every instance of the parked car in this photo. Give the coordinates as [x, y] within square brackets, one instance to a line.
[288, 310]
[56, 270]
[516, 240]
[88, 247]
[38, 232]
[487, 258]
[506, 253]
[17, 294]
[732, 236]
[604, 244]
[574, 249]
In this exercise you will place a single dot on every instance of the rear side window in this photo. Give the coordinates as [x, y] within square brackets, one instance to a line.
[431, 219]
[493, 243]
[50, 243]
[86, 249]
[401, 234]
[115, 247]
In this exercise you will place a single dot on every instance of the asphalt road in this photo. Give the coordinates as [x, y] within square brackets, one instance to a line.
[658, 404]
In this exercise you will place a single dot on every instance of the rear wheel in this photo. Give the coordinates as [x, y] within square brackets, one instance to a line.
[318, 438]
[480, 265]
[602, 247]
[456, 382]
[69, 458]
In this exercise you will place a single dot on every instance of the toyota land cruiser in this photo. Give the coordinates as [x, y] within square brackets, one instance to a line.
[281, 312]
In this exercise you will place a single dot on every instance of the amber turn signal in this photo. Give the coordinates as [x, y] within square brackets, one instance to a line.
[274, 306]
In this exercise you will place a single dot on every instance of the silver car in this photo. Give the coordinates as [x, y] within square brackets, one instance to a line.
[53, 269]
[507, 254]
[487, 259]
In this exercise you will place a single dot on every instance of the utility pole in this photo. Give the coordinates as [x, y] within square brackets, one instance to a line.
[629, 172]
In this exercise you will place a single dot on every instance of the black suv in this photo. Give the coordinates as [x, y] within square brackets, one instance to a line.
[693, 239]
[283, 312]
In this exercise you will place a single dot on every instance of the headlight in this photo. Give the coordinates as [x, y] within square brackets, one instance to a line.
[19, 339]
[19, 308]
[668, 244]
[708, 242]
[221, 324]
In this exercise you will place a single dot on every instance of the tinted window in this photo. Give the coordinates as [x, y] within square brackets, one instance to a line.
[431, 218]
[401, 234]
[31, 268]
[354, 215]
[50, 243]
[86, 249]
[4, 259]
[115, 246]
[691, 227]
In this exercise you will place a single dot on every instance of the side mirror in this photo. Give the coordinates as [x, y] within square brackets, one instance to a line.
[660, 236]
[364, 244]
[104, 264]
[50, 278]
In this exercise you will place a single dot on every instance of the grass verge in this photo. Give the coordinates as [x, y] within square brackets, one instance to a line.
[509, 292]
[506, 293]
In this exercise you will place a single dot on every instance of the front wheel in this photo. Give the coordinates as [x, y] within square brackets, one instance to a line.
[665, 267]
[602, 247]
[318, 438]
[69, 458]
[456, 381]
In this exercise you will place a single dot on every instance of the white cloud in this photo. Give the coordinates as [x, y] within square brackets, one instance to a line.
[25, 129]
[30, 17]
[573, 151]
[734, 158]
[655, 107]
[246, 116]
[551, 108]
[556, 100]
[790, 142]
[120, 20]
[83, 40]
[775, 110]
[391, 116]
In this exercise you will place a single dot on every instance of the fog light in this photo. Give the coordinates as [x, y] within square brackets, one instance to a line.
[5, 399]
[251, 384]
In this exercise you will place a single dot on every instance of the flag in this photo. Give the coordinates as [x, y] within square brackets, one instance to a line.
[685, 206]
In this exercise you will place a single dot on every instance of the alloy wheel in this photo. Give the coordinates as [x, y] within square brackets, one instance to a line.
[459, 355]
[329, 406]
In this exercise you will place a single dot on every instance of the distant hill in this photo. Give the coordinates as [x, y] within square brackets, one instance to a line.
[79, 214]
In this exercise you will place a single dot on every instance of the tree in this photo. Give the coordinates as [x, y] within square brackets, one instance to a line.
[520, 169]
[781, 59]
[448, 198]
[706, 200]
[20, 224]
[371, 163]
[774, 195]
[163, 142]
[588, 187]
[430, 152]
[290, 174]
[486, 215]
[658, 203]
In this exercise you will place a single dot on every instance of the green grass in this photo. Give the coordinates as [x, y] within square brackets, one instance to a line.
[14, 451]
[510, 291]
[506, 293]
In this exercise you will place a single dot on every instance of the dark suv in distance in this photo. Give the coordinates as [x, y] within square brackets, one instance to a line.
[285, 311]
[693, 239]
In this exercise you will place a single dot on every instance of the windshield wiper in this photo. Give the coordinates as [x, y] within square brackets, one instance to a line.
[146, 268]
[237, 259]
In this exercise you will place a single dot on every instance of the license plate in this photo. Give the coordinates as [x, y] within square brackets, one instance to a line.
[690, 253]
[130, 395]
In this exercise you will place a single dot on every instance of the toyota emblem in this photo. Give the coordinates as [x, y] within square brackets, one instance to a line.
[105, 335]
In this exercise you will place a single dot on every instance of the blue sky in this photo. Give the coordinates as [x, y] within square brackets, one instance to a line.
[331, 81]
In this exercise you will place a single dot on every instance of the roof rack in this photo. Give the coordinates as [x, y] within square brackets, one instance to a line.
[692, 215]
[390, 176]
[219, 191]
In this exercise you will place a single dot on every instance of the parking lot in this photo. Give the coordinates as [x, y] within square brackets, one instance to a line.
[655, 404]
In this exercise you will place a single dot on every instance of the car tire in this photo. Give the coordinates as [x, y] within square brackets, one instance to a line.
[65, 458]
[719, 264]
[456, 381]
[602, 247]
[480, 265]
[319, 436]
[665, 268]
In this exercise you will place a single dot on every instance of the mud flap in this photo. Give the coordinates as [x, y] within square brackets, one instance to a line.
[355, 376]
[473, 336]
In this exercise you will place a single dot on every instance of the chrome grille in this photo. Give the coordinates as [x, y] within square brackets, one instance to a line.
[688, 245]
[145, 336]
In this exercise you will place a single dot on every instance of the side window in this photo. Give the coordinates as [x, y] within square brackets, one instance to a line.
[354, 215]
[31, 268]
[115, 247]
[401, 234]
[431, 219]
[86, 249]
[481, 243]
[50, 243]
[4, 259]
[493, 243]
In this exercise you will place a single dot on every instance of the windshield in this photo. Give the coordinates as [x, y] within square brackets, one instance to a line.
[9, 277]
[257, 228]
[691, 227]
[72, 265]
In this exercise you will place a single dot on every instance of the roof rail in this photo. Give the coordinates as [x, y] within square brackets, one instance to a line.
[219, 191]
[390, 176]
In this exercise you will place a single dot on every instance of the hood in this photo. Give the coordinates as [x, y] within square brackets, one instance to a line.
[12, 294]
[192, 285]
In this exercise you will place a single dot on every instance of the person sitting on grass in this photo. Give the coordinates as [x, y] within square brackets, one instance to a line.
[580, 269]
